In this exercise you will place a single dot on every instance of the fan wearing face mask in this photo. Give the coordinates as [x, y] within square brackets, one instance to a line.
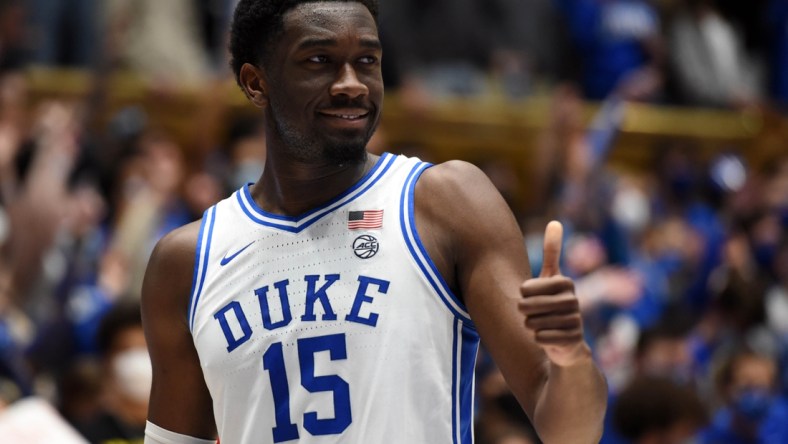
[126, 381]
[754, 412]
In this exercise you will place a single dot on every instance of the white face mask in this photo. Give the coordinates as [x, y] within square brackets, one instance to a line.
[631, 208]
[133, 373]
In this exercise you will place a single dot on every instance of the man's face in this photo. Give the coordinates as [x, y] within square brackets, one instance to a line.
[753, 372]
[325, 83]
[668, 358]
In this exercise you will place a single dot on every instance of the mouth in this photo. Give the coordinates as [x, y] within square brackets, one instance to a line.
[348, 115]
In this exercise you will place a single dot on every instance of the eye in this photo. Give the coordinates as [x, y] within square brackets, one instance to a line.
[368, 60]
[318, 59]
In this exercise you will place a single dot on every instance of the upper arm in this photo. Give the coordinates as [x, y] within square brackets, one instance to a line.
[476, 243]
[180, 401]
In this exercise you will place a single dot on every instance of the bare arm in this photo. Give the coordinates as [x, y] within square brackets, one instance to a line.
[477, 245]
[179, 401]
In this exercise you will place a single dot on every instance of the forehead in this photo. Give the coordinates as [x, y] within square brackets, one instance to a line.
[130, 337]
[754, 370]
[328, 20]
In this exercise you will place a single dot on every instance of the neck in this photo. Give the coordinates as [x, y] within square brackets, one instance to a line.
[291, 187]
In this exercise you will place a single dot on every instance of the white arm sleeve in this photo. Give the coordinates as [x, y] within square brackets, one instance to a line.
[157, 435]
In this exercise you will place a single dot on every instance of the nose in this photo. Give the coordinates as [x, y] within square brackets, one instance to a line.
[348, 84]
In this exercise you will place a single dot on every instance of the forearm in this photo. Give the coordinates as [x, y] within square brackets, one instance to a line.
[571, 405]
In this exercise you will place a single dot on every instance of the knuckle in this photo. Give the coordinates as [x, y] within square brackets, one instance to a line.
[525, 305]
[528, 286]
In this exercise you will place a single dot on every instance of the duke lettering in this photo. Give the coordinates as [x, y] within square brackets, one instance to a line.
[316, 302]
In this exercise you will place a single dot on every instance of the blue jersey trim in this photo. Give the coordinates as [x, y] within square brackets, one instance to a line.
[261, 221]
[419, 253]
[296, 224]
[208, 219]
[197, 257]
[454, 384]
[469, 350]
[465, 345]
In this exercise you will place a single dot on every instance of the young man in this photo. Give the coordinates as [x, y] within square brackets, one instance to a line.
[341, 298]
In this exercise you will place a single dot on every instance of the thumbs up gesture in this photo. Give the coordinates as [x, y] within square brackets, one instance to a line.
[551, 309]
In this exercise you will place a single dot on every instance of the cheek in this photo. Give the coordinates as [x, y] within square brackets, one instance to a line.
[295, 98]
[374, 82]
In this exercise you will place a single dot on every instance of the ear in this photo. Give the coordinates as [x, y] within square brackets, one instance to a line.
[252, 80]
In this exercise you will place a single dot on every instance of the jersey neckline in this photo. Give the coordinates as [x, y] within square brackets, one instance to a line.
[295, 224]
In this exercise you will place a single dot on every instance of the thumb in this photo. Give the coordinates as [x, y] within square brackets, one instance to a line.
[553, 238]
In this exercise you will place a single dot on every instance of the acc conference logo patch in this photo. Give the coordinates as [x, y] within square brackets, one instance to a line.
[365, 246]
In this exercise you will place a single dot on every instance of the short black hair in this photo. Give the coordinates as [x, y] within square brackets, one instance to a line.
[125, 314]
[650, 404]
[257, 22]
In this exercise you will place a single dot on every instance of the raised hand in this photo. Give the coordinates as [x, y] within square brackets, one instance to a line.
[551, 309]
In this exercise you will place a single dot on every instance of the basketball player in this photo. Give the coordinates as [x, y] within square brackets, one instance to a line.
[342, 297]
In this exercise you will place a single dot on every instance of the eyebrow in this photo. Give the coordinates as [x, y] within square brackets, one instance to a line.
[316, 43]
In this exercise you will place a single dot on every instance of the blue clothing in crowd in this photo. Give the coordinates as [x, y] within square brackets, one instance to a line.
[772, 429]
[778, 24]
[609, 36]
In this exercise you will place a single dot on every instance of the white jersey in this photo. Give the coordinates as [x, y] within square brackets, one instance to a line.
[334, 326]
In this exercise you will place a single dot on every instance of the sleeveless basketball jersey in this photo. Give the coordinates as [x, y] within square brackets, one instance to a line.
[334, 326]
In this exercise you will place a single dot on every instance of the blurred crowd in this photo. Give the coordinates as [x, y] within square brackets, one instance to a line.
[681, 271]
[682, 276]
[716, 53]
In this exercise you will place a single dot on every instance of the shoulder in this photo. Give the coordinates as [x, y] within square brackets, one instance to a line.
[455, 184]
[455, 188]
[452, 176]
[463, 220]
[170, 270]
[178, 247]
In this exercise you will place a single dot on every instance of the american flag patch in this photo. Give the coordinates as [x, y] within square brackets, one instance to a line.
[364, 219]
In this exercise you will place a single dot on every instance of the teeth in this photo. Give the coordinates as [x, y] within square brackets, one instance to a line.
[348, 116]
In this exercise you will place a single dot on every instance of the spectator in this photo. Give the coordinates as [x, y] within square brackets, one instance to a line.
[709, 60]
[16, 331]
[752, 413]
[777, 310]
[149, 203]
[475, 39]
[66, 32]
[500, 418]
[615, 40]
[664, 351]
[663, 354]
[655, 410]
[127, 378]
[157, 39]
[14, 35]
[452, 58]
[244, 154]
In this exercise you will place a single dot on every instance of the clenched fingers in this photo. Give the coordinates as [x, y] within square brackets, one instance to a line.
[564, 321]
[561, 338]
[552, 304]
[552, 285]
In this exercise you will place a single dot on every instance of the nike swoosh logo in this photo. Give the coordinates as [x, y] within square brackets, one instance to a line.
[226, 259]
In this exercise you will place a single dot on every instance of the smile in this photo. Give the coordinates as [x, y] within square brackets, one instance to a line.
[346, 114]
[346, 119]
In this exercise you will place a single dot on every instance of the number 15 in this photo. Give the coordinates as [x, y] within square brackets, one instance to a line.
[274, 363]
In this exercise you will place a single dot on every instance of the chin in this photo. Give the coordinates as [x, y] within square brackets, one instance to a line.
[347, 151]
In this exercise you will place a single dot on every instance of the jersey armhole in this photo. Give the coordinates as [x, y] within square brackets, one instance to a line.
[201, 256]
[419, 253]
